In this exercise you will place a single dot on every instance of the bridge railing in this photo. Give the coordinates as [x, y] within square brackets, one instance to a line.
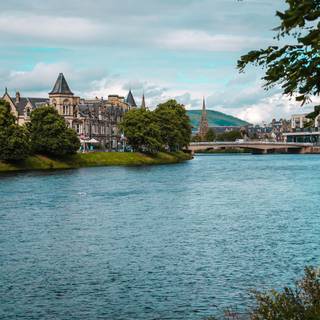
[251, 142]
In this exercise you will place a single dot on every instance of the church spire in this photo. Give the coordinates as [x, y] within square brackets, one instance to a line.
[203, 125]
[143, 103]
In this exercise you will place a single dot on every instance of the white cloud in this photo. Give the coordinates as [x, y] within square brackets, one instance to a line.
[277, 106]
[36, 79]
[49, 28]
[202, 41]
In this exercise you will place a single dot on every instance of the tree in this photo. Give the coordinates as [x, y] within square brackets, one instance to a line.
[294, 66]
[50, 134]
[174, 125]
[211, 135]
[142, 130]
[229, 136]
[14, 139]
[196, 138]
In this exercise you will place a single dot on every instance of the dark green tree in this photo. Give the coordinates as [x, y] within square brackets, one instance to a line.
[295, 65]
[229, 136]
[142, 130]
[196, 138]
[50, 134]
[211, 135]
[14, 139]
[174, 125]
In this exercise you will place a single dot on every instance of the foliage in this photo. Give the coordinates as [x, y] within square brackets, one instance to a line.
[229, 136]
[142, 130]
[50, 134]
[294, 66]
[300, 303]
[174, 125]
[14, 139]
[211, 135]
[168, 127]
[196, 138]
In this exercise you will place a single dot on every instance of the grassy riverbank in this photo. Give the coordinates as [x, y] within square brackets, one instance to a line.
[40, 162]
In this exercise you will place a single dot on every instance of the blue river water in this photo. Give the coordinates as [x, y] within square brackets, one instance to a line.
[161, 242]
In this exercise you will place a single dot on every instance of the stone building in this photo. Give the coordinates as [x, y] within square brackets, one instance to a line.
[92, 119]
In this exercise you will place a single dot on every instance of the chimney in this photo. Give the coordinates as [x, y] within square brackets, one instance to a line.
[17, 97]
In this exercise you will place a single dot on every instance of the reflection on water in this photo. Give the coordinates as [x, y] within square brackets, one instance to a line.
[162, 242]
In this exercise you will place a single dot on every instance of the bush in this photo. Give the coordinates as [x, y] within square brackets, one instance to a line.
[299, 303]
[229, 136]
[302, 302]
[50, 134]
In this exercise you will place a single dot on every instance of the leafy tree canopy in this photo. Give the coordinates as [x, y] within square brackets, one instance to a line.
[211, 135]
[14, 139]
[295, 66]
[174, 125]
[50, 134]
[168, 127]
[141, 130]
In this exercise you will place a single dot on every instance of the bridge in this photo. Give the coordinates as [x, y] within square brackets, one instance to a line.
[258, 147]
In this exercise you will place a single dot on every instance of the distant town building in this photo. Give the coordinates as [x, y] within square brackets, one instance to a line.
[203, 124]
[299, 121]
[305, 128]
[92, 119]
[269, 131]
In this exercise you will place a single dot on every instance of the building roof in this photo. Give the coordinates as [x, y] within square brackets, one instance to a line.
[35, 102]
[61, 86]
[130, 100]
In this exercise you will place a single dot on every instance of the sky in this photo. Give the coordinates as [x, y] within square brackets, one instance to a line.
[182, 49]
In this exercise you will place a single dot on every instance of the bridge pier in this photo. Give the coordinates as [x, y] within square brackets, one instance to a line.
[259, 151]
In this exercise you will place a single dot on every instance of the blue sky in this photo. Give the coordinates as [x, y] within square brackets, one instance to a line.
[183, 49]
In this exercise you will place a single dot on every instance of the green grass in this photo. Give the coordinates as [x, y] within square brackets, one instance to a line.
[215, 119]
[39, 162]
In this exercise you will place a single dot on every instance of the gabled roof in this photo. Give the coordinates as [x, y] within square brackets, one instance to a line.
[35, 102]
[61, 86]
[130, 100]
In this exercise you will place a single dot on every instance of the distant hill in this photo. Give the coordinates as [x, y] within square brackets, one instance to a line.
[215, 119]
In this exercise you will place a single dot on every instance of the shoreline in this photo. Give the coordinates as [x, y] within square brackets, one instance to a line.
[95, 159]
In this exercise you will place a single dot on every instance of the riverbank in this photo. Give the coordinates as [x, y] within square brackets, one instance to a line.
[39, 162]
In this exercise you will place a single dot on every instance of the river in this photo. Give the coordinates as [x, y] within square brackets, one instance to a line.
[161, 242]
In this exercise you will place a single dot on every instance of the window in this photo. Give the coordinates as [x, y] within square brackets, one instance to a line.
[65, 107]
[28, 112]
